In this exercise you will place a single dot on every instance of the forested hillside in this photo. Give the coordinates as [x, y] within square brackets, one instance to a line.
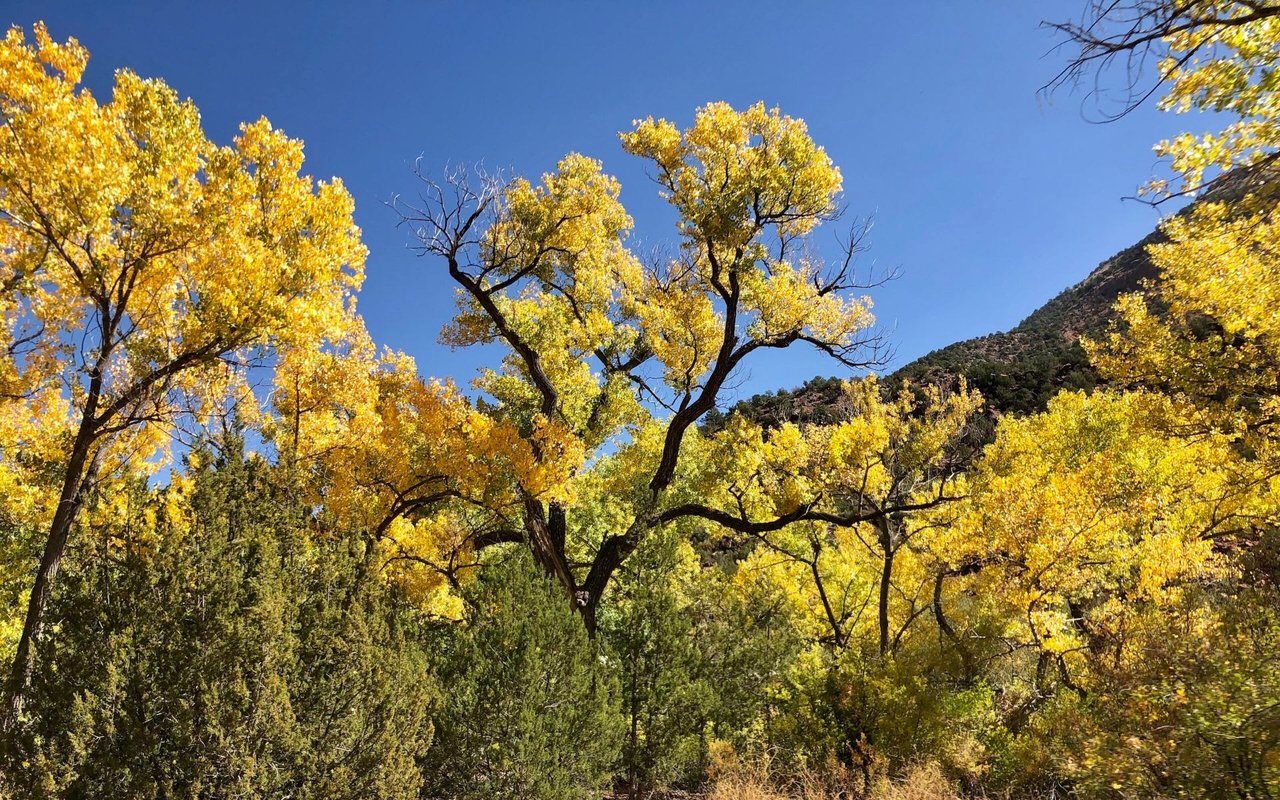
[1017, 371]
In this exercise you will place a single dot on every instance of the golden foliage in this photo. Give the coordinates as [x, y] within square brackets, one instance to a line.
[142, 269]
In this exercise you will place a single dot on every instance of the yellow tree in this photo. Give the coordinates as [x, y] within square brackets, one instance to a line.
[873, 487]
[1105, 538]
[1090, 514]
[408, 464]
[1206, 333]
[144, 267]
[594, 339]
[895, 459]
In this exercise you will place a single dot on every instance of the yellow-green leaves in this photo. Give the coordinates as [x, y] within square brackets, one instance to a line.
[733, 173]
[789, 300]
[903, 441]
[748, 186]
[1091, 502]
[682, 328]
[124, 219]
[142, 269]
[1215, 339]
[1227, 67]
[600, 342]
[554, 274]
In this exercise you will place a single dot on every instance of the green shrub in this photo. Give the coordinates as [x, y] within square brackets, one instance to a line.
[527, 709]
[225, 651]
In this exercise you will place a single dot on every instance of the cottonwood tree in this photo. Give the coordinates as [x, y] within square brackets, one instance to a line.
[1212, 55]
[1091, 515]
[1205, 332]
[891, 468]
[406, 463]
[601, 346]
[143, 268]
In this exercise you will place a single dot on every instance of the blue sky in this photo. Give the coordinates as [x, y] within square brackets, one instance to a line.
[989, 198]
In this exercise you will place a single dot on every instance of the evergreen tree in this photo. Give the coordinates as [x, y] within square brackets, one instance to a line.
[214, 644]
[650, 637]
[526, 707]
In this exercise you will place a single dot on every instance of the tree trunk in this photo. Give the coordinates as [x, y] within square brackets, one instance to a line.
[546, 529]
[886, 579]
[587, 611]
[837, 632]
[546, 540]
[69, 501]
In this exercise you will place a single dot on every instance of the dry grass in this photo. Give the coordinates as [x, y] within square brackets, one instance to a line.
[753, 782]
[922, 782]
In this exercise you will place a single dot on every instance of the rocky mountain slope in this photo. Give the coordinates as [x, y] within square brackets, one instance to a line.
[1017, 370]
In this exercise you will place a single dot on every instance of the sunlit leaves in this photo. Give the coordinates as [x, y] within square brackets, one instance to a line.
[1092, 506]
[1209, 331]
[176, 257]
[143, 268]
[733, 172]
[1228, 67]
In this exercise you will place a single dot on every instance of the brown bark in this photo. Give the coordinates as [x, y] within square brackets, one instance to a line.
[74, 483]
[886, 582]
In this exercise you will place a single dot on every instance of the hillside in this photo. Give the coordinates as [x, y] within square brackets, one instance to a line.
[1016, 370]
[1020, 369]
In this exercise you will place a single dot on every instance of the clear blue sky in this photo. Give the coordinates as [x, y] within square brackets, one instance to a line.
[990, 199]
